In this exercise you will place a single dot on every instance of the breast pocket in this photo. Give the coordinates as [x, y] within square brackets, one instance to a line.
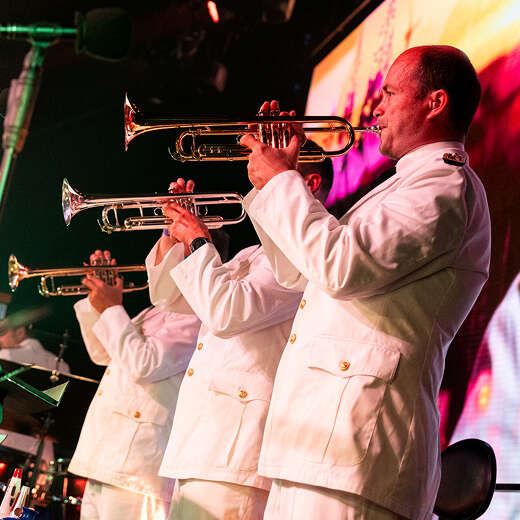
[349, 380]
[239, 402]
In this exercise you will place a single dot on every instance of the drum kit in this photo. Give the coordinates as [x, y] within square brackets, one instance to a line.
[34, 441]
[39, 439]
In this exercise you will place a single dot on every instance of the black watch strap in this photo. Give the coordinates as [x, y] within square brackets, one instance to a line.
[198, 242]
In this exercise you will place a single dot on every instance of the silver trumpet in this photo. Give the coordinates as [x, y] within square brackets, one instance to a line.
[198, 203]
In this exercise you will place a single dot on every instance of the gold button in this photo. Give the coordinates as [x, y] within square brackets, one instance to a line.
[302, 304]
[107, 371]
[344, 365]
[100, 392]
[292, 338]
[137, 415]
[242, 394]
[199, 346]
[190, 371]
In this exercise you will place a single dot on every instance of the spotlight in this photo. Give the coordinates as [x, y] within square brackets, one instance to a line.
[213, 11]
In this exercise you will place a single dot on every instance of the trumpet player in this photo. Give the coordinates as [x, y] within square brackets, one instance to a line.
[353, 428]
[126, 429]
[246, 318]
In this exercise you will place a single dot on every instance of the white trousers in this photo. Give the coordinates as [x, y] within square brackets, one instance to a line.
[105, 502]
[294, 501]
[209, 500]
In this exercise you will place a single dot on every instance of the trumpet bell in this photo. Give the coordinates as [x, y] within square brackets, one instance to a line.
[70, 199]
[15, 272]
[130, 112]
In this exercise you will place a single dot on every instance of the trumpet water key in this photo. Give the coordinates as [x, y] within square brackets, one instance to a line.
[198, 203]
[48, 286]
[274, 130]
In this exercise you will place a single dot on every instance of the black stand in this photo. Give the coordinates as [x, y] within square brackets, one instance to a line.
[20, 107]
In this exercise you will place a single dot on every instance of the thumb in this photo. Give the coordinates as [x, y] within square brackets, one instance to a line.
[294, 145]
[249, 140]
[119, 283]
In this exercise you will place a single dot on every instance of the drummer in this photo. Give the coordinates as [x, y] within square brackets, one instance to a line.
[17, 345]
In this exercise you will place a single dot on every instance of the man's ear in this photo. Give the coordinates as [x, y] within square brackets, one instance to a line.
[313, 181]
[438, 101]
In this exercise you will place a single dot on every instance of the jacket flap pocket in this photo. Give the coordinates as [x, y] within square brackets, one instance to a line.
[151, 412]
[346, 358]
[243, 386]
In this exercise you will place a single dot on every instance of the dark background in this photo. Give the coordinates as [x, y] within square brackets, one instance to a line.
[173, 67]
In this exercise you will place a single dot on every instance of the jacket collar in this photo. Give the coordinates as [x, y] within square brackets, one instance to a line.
[410, 160]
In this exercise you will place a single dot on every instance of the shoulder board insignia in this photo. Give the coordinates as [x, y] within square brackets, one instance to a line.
[456, 159]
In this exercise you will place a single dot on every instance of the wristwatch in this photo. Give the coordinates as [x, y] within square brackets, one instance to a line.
[198, 242]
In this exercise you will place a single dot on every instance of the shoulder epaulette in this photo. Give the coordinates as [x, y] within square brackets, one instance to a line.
[456, 159]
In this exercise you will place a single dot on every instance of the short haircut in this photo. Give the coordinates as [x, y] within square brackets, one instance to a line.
[448, 68]
[324, 168]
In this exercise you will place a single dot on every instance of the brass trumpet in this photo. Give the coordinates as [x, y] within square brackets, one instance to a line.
[17, 272]
[73, 202]
[275, 131]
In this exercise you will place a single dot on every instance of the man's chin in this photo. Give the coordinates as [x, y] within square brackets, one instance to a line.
[386, 150]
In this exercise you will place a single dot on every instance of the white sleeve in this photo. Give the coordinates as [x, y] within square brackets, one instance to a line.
[152, 355]
[164, 292]
[285, 272]
[424, 220]
[87, 317]
[229, 303]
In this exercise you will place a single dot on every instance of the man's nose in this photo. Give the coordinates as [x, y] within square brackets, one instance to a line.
[378, 111]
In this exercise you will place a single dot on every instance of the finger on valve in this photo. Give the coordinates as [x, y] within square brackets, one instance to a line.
[264, 132]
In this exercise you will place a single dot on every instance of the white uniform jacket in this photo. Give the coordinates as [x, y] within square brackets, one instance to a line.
[129, 420]
[386, 288]
[246, 319]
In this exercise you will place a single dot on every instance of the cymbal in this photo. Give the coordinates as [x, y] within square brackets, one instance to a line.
[23, 318]
[46, 335]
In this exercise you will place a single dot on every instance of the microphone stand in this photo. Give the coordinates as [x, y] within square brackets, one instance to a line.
[54, 377]
[20, 107]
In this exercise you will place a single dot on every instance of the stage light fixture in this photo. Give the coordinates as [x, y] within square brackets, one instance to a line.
[213, 11]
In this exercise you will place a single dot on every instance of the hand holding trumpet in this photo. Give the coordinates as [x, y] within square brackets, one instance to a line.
[185, 226]
[265, 162]
[184, 223]
[103, 294]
